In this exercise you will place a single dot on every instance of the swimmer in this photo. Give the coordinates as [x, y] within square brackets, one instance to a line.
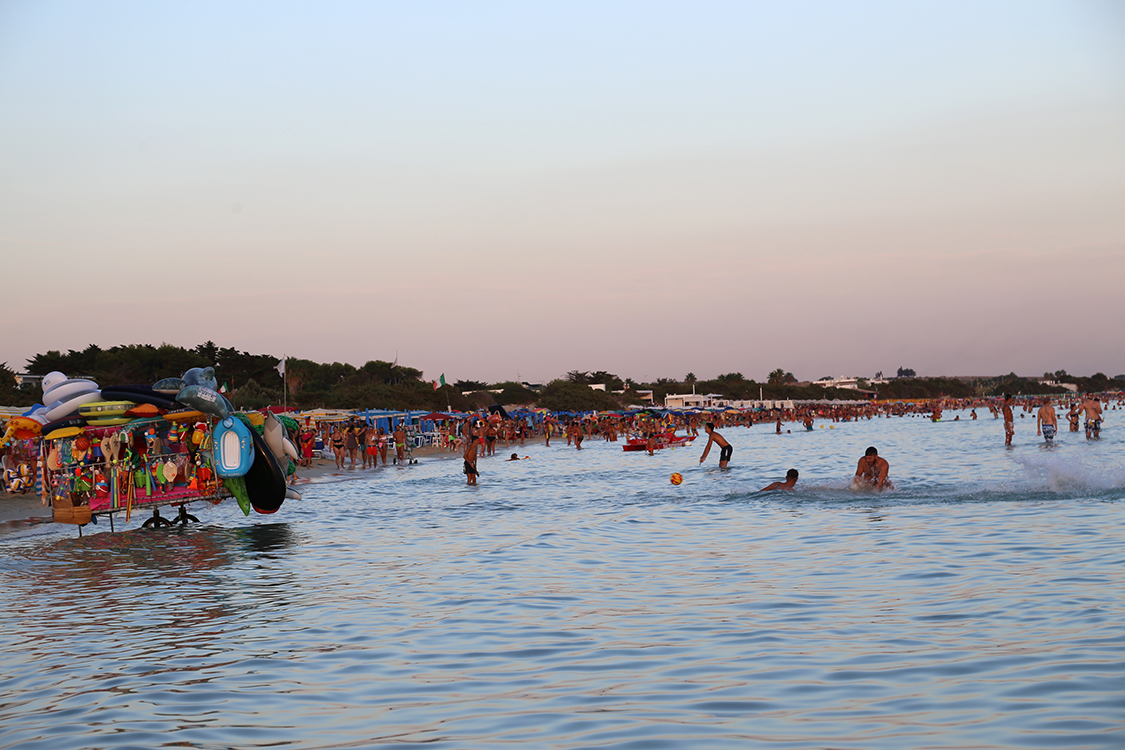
[725, 449]
[1009, 420]
[790, 481]
[1074, 417]
[515, 457]
[872, 471]
[1046, 422]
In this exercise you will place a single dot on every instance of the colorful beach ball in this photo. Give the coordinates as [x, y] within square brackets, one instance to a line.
[677, 478]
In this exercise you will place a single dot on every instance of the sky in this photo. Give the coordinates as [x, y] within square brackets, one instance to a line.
[510, 190]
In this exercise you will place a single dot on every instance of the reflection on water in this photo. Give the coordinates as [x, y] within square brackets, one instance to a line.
[580, 600]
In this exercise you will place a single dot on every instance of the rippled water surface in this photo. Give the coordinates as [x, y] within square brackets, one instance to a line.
[578, 599]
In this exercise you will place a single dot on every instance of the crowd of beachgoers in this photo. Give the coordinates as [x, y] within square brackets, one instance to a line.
[355, 444]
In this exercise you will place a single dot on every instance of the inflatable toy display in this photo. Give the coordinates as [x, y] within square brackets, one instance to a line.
[114, 449]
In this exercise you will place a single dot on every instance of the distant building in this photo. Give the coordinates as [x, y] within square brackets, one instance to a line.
[23, 379]
[1055, 384]
[690, 400]
[851, 382]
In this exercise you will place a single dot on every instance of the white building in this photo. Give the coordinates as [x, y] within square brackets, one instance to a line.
[1055, 384]
[690, 400]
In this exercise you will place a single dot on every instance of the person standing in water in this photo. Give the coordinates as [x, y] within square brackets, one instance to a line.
[400, 444]
[1046, 422]
[1074, 417]
[1009, 420]
[872, 471]
[470, 456]
[1093, 409]
[725, 449]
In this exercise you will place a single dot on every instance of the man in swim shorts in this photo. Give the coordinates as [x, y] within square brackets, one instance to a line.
[1046, 422]
[1009, 420]
[1093, 409]
[470, 456]
[872, 471]
[788, 484]
[725, 449]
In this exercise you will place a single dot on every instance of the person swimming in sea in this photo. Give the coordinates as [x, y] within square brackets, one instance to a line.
[872, 471]
[788, 484]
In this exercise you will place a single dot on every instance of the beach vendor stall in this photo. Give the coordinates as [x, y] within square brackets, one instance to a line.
[126, 448]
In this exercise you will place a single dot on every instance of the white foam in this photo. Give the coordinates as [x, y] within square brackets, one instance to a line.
[1062, 472]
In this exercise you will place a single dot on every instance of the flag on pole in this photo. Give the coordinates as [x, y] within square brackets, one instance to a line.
[435, 385]
[443, 378]
[281, 367]
[223, 389]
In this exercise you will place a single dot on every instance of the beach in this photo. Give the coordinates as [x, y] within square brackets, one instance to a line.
[580, 599]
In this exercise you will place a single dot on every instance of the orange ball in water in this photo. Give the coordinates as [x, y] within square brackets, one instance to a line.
[677, 478]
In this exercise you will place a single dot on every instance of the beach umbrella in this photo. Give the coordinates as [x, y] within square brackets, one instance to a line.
[498, 409]
[435, 416]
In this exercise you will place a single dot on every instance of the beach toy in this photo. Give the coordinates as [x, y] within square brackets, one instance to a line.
[105, 409]
[59, 409]
[169, 386]
[206, 400]
[234, 451]
[63, 432]
[51, 379]
[67, 389]
[677, 478]
[20, 428]
[201, 376]
[237, 487]
[139, 395]
[183, 415]
[265, 482]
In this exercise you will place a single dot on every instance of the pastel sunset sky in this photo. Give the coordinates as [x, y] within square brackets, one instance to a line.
[493, 190]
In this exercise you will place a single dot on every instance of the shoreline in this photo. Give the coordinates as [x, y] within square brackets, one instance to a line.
[23, 511]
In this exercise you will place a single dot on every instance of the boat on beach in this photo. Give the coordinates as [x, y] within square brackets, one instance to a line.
[663, 440]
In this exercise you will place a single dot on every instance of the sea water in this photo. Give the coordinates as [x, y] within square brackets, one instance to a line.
[578, 599]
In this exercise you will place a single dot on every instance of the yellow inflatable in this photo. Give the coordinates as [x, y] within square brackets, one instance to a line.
[20, 428]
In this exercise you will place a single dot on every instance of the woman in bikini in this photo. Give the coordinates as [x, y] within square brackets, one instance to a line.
[338, 447]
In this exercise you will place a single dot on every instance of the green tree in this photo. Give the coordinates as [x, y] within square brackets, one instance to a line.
[514, 393]
[12, 394]
[564, 395]
[781, 377]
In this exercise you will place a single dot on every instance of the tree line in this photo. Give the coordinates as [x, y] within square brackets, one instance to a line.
[253, 381]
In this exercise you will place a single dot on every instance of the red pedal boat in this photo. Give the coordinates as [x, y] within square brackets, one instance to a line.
[664, 440]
